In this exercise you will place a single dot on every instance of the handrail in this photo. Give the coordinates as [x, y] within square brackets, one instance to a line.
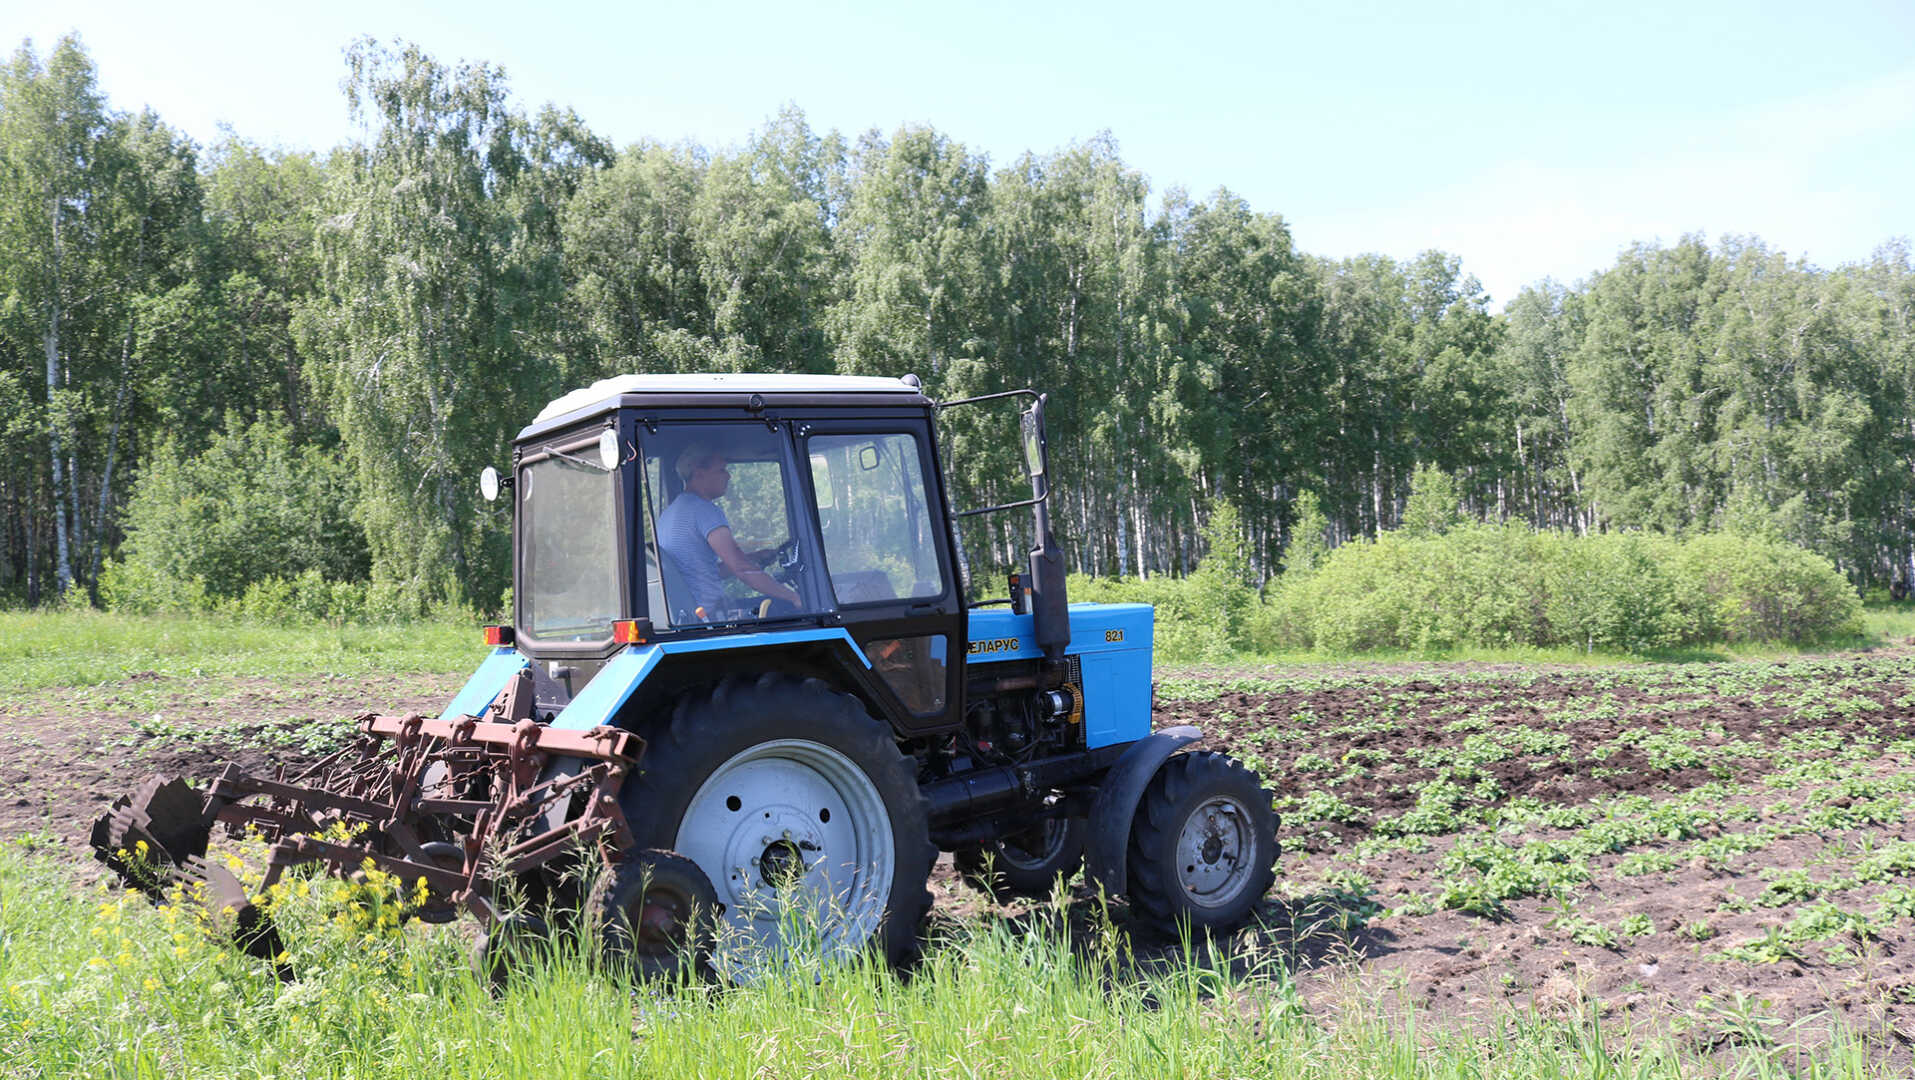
[1033, 395]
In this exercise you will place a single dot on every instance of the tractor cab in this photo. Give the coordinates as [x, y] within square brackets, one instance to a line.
[702, 510]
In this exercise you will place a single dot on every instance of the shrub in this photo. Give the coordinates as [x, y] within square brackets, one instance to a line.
[1202, 617]
[1511, 585]
[1745, 588]
[1188, 628]
[253, 524]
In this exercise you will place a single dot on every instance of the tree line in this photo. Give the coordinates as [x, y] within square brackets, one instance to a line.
[369, 326]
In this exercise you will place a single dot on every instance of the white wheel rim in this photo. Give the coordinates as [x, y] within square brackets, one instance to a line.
[1215, 852]
[783, 820]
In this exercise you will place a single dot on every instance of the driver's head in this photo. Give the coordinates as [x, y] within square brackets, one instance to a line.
[703, 470]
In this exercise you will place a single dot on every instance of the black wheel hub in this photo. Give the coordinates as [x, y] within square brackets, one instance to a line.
[780, 864]
[1213, 848]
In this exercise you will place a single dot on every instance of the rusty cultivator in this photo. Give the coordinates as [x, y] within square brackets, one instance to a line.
[462, 804]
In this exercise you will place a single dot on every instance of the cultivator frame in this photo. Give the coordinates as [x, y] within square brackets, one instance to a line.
[462, 804]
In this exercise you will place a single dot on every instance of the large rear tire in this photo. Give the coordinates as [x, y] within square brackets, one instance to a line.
[800, 810]
[1203, 846]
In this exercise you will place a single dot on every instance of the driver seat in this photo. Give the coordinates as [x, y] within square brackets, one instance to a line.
[676, 598]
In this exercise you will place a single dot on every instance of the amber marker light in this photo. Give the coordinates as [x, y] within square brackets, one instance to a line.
[631, 631]
[498, 635]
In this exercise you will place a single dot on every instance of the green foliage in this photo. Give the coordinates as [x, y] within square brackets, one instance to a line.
[410, 298]
[1750, 588]
[438, 260]
[1188, 628]
[253, 519]
[1488, 585]
[1435, 505]
[1308, 540]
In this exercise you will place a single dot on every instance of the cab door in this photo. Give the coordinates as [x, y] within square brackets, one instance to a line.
[886, 557]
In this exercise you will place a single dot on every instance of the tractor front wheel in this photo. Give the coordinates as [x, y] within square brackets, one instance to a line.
[1203, 845]
[801, 811]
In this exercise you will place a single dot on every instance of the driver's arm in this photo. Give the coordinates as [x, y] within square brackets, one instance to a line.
[735, 560]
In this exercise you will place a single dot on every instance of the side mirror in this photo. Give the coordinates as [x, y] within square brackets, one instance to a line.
[608, 454]
[489, 484]
[1032, 424]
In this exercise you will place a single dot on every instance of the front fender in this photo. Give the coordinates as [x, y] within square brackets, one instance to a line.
[1105, 864]
[484, 685]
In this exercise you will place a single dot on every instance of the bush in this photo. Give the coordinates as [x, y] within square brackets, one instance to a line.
[1758, 589]
[1189, 627]
[1202, 617]
[253, 525]
[1510, 585]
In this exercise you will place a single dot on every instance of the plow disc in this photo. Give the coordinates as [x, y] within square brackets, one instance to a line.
[461, 804]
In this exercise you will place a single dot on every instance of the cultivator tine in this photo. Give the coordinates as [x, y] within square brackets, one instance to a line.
[229, 909]
[145, 835]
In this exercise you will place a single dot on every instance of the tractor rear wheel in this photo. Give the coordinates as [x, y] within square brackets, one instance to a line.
[1203, 845]
[1027, 864]
[800, 810]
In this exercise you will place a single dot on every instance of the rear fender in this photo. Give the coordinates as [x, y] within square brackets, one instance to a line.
[1116, 803]
[485, 684]
[641, 677]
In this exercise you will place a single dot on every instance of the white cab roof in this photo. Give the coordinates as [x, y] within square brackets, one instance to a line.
[728, 382]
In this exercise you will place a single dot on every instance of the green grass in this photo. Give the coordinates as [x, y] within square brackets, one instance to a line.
[85, 648]
[1886, 622]
[110, 986]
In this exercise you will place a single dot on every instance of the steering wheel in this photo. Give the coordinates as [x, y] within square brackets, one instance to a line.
[787, 565]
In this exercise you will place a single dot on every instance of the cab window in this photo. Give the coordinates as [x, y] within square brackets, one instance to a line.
[700, 478]
[874, 518]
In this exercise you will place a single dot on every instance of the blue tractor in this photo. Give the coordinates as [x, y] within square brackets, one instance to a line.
[746, 669]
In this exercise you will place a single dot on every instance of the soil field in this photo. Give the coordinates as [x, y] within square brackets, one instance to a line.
[1718, 850]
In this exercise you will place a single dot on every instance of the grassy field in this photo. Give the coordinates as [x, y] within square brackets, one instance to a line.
[108, 986]
[72, 649]
[86, 648]
[1620, 870]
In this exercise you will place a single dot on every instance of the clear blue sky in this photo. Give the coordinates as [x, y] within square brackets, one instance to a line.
[1533, 139]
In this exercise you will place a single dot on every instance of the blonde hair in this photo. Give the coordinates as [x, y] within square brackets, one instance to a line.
[691, 458]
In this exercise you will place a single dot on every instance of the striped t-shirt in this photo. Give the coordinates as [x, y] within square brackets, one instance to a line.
[682, 532]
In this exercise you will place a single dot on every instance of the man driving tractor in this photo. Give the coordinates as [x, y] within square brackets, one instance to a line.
[696, 535]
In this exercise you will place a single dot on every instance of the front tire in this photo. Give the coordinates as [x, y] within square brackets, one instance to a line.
[1203, 845]
[799, 809]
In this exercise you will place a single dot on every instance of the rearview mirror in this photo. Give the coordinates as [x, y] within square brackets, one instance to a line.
[489, 484]
[1033, 442]
[608, 454]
